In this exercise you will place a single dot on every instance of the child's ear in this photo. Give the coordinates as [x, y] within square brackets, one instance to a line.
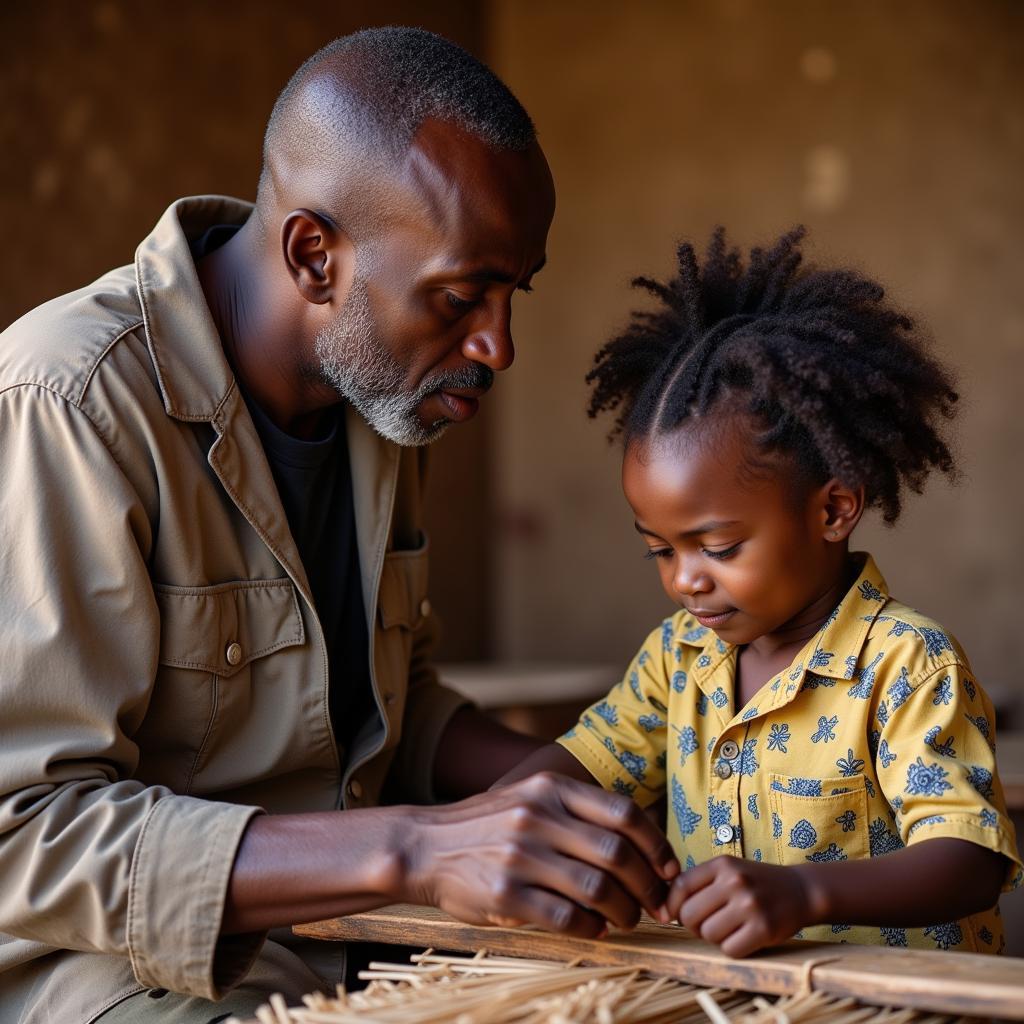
[840, 509]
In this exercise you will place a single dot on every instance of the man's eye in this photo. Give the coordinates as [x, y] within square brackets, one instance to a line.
[658, 553]
[458, 303]
[724, 553]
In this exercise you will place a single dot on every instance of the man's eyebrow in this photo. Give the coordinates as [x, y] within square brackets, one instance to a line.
[709, 527]
[484, 275]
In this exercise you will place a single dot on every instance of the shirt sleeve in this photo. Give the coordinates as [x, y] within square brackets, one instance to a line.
[621, 740]
[92, 858]
[936, 763]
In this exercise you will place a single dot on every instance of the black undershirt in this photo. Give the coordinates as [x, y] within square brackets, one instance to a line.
[314, 482]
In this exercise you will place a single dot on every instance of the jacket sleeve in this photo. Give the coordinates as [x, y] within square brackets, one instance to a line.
[93, 859]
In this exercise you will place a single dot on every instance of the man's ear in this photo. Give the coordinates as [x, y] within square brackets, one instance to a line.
[841, 508]
[318, 254]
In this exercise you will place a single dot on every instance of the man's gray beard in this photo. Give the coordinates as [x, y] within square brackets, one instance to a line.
[353, 361]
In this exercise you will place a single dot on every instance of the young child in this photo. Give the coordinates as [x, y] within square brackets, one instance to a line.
[827, 754]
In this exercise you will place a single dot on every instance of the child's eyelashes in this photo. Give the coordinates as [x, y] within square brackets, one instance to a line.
[717, 555]
[723, 553]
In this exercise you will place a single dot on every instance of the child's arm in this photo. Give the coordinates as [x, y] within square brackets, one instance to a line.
[744, 905]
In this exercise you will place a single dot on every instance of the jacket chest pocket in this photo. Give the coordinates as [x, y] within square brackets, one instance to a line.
[213, 641]
[818, 819]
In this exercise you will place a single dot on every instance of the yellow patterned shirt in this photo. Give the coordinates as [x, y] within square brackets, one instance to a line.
[876, 736]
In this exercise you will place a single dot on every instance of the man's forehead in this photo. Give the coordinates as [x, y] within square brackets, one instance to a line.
[457, 176]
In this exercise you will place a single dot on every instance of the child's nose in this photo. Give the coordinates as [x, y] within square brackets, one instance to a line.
[690, 578]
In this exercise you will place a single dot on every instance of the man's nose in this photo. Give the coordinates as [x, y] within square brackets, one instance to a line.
[490, 341]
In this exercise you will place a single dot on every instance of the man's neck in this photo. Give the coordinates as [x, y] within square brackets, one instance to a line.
[263, 350]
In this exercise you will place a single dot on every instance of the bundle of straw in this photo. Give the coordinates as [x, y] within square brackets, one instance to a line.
[485, 989]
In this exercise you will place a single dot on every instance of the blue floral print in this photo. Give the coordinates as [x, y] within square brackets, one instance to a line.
[848, 819]
[882, 839]
[989, 819]
[932, 819]
[719, 698]
[623, 787]
[635, 764]
[679, 681]
[820, 659]
[865, 679]
[749, 714]
[899, 692]
[634, 685]
[776, 826]
[651, 722]
[608, 712]
[850, 765]
[826, 729]
[799, 787]
[686, 818]
[747, 763]
[894, 936]
[944, 747]
[885, 755]
[945, 935]
[752, 806]
[868, 591]
[687, 742]
[830, 853]
[802, 835]
[943, 691]
[981, 779]
[702, 704]
[926, 779]
[666, 635]
[812, 681]
[778, 736]
[935, 641]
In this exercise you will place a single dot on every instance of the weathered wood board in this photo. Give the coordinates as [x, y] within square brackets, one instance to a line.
[965, 984]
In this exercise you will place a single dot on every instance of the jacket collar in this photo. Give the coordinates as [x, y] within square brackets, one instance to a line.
[192, 371]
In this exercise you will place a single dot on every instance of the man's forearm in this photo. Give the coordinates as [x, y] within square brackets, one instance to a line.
[292, 868]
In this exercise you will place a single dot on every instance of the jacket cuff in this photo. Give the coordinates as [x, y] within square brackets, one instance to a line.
[430, 709]
[179, 880]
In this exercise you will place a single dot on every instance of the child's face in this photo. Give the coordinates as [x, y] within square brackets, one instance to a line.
[745, 553]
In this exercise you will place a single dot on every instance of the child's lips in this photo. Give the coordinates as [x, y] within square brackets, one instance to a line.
[711, 619]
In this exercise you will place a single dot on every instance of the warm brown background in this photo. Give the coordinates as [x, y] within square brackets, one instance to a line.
[893, 128]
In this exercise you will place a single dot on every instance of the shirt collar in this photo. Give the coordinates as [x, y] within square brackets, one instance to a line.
[193, 372]
[833, 651]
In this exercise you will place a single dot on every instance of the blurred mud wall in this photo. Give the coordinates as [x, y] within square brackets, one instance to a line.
[895, 131]
[111, 109]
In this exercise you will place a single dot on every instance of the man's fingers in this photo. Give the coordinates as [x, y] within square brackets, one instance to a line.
[613, 854]
[747, 939]
[555, 913]
[620, 814]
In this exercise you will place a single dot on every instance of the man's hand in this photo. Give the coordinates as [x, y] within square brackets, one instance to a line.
[741, 905]
[547, 850]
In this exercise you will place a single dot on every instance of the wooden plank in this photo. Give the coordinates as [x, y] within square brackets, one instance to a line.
[956, 983]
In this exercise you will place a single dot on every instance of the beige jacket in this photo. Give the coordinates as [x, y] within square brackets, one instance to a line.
[163, 675]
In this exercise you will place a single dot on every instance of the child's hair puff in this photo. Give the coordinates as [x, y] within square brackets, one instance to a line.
[832, 373]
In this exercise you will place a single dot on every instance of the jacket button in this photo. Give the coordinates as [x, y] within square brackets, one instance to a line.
[425, 607]
[355, 789]
[729, 750]
[723, 769]
[724, 833]
[234, 654]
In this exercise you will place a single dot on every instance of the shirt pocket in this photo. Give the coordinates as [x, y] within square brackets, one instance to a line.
[818, 820]
[213, 641]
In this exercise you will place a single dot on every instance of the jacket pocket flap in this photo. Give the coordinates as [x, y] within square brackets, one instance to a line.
[220, 629]
[403, 588]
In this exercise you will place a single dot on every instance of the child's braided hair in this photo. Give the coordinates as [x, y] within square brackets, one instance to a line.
[832, 374]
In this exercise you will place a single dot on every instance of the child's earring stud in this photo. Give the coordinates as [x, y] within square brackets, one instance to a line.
[833, 534]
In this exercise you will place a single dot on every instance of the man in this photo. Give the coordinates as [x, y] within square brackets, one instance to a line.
[213, 615]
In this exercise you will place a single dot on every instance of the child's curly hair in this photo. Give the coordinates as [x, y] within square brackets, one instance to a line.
[833, 374]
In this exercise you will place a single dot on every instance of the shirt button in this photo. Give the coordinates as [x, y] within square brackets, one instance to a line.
[234, 654]
[729, 750]
[723, 769]
[355, 789]
[425, 607]
[724, 833]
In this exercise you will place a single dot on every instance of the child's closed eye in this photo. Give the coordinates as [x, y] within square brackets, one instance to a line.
[722, 552]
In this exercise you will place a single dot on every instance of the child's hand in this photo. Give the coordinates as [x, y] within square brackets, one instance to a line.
[741, 905]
